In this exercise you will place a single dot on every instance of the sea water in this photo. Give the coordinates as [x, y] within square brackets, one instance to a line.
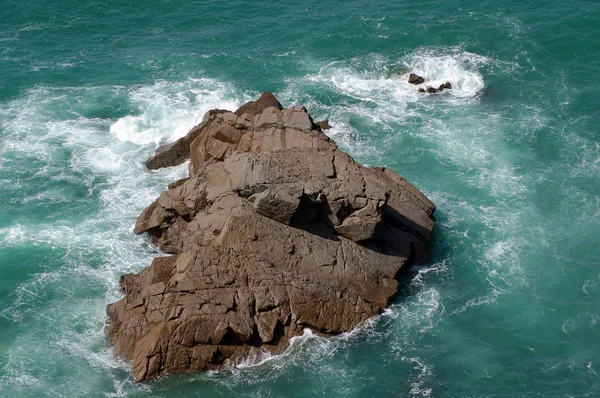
[509, 304]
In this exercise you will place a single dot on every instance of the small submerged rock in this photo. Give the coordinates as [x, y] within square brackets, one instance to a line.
[275, 230]
[415, 79]
[403, 71]
[432, 90]
[324, 124]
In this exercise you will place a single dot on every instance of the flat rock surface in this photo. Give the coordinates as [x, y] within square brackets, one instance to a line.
[275, 230]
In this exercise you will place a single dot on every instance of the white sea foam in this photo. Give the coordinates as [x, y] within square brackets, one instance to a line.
[386, 103]
[460, 68]
[169, 110]
[476, 302]
[591, 284]
[12, 236]
[379, 82]
[417, 388]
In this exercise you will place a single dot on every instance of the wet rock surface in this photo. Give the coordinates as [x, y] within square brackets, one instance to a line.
[433, 90]
[415, 79]
[324, 125]
[275, 230]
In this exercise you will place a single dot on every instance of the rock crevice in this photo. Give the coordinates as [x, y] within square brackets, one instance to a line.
[275, 230]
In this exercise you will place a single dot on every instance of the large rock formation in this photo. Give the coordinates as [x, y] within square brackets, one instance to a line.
[275, 230]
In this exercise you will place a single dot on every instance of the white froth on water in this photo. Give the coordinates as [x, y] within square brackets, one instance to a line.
[503, 260]
[591, 285]
[12, 236]
[169, 110]
[417, 387]
[374, 91]
[385, 83]
[476, 302]
[459, 68]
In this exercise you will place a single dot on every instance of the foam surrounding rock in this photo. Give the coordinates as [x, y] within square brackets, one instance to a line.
[275, 230]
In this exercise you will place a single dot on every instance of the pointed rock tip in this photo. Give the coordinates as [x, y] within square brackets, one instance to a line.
[265, 101]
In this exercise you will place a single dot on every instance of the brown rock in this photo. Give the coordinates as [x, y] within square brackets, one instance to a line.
[275, 230]
[169, 155]
[178, 152]
[432, 90]
[323, 125]
[446, 85]
[415, 79]
[265, 101]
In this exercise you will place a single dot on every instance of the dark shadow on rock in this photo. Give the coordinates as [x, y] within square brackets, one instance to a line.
[405, 223]
[440, 251]
[311, 216]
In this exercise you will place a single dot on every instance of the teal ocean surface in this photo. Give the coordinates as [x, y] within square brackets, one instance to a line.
[509, 305]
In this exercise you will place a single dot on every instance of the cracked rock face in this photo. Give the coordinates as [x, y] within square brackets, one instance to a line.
[275, 230]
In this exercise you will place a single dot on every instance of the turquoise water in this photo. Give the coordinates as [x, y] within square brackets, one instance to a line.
[509, 305]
